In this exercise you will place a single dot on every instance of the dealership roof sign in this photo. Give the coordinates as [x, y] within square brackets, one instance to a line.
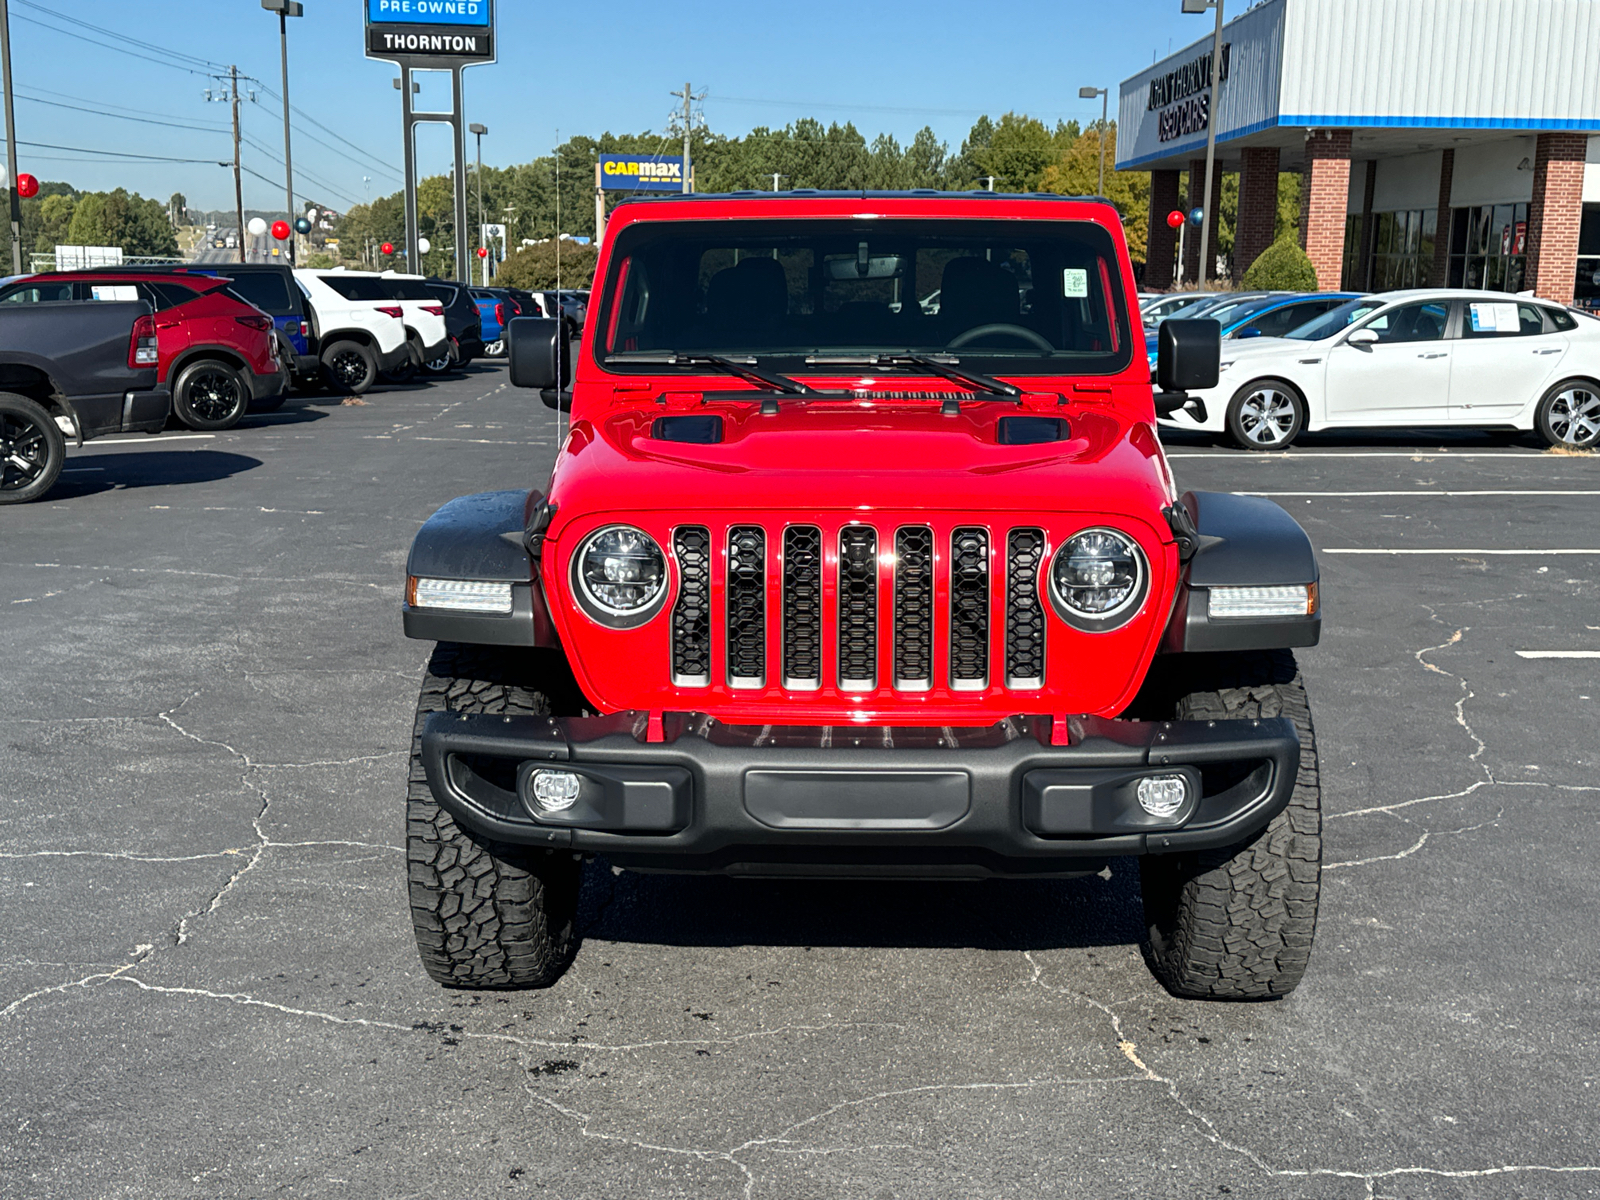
[431, 34]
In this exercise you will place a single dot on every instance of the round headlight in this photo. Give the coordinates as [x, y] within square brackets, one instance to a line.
[1097, 577]
[621, 572]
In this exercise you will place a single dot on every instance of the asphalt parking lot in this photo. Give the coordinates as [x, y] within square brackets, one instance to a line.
[208, 985]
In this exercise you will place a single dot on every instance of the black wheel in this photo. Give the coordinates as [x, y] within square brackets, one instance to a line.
[32, 449]
[1266, 414]
[1237, 923]
[270, 403]
[487, 915]
[404, 373]
[348, 368]
[1569, 415]
[209, 395]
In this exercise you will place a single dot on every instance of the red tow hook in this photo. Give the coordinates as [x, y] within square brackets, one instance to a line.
[655, 729]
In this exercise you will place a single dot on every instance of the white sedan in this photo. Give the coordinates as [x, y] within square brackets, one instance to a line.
[1448, 357]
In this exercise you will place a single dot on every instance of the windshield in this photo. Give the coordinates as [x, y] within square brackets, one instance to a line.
[1227, 314]
[1330, 323]
[1004, 297]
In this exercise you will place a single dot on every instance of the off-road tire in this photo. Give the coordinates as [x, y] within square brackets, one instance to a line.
[210, 396]
[31, 434]
[1247, 430]
[1237, 923]
[487, 915]
[342, 373]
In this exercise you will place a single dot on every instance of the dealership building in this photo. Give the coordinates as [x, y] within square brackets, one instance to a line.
[1440, 142]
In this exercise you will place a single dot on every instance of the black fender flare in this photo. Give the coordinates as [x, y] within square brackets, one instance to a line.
[1229, 540]
[480, 538]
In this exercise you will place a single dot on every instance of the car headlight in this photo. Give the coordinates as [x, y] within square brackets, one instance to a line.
[620, 575]
[1098, 579]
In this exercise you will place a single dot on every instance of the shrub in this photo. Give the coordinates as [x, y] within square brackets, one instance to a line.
[1282, 267]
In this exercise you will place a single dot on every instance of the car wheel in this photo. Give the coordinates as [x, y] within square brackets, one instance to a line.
[1236, 923]
[494, 349]
[209, 395]
[1569, 414]
[404, 373]
[1266, 414]
[485, 914]
[32, 449]
[440, 365]
[348, 368]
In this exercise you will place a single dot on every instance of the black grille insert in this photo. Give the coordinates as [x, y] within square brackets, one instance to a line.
[858, 608]
[1024, 612]
[969, 609]
[802, 607]
[691, 614]
[913, 608]
[747, 606]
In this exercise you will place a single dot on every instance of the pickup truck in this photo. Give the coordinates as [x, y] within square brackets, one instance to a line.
[75, 369]
[825, 584]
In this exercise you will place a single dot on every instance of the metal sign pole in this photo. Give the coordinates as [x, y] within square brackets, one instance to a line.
[410, 116]
[459, 129]
[11, 144]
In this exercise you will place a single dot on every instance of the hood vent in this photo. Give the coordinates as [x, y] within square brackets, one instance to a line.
[696, 428]
[1030, 431]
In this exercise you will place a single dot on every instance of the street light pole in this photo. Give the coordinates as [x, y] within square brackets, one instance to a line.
[11, 142]
[1212, 116]
[286, 9]
[478, 131]
[1089, 93]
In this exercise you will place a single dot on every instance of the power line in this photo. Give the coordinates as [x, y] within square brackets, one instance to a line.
[123, 116]
[295, 109]
[119, 154]
[109, 46]
[121, 37]
[106, 107]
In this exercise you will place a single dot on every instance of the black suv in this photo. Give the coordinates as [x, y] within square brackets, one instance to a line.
[461, 321]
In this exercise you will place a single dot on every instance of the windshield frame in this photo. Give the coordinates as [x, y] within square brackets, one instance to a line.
[1116, 306]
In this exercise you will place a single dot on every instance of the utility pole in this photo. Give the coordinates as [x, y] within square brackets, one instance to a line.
[11, 141]
[286, 9]
[478, 131]
[1213, 114]
[687, 119]
[238, 180]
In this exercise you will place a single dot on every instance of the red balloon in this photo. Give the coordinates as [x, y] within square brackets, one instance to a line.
[1174, 219]
[386, 248]
[280, 230]
[482, 253]
[27, 186]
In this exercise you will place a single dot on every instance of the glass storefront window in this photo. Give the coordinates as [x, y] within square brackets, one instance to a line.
[1587, 292]
[1489, 247]
[1402, 251]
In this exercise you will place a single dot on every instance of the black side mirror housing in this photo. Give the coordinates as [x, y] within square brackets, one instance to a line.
[538, 352]
[1188, 355]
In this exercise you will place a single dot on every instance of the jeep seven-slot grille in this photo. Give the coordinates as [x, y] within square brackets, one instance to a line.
[913, 608]
[1024, 613]
[691, 615]
[747, 606]
[969, 609]
[939, 614]
[858, 608]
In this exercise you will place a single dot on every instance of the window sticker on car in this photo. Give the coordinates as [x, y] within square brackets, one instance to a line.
[1494, 318]
[1074, 282]
[115, 291]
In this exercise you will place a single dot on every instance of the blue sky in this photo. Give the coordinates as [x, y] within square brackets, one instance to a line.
[890, 66]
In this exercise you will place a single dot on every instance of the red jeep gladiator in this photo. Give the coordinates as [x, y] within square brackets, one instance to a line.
[860, 557]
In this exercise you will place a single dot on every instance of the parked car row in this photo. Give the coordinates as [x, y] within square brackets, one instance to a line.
[119, 350]
[1416, 358]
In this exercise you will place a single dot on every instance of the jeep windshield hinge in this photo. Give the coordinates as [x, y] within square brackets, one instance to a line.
[533, 536]
[1184, 532]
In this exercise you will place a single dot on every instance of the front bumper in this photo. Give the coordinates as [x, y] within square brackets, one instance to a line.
[868, 801]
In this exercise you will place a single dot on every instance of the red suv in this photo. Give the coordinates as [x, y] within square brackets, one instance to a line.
[216, 352]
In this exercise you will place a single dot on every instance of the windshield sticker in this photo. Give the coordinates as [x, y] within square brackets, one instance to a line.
[1494, 318]
[1074, 282]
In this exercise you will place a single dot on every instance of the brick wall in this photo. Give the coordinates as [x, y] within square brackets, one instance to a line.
[1554, 215]
[1191, 238]
[1163, 238]
[1441, 237]
[1258, 207]
[1324, 200]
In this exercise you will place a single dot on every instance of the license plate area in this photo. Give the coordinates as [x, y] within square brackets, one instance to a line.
[857, 800]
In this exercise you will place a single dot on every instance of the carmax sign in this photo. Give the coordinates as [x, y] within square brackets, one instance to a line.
[640, 173]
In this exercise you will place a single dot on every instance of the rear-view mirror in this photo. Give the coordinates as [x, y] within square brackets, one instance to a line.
[537, 349]
[1363, 337]
[1188, 355]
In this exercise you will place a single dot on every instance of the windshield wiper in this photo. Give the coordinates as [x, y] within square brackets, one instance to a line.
[944, 367]
[745, 370]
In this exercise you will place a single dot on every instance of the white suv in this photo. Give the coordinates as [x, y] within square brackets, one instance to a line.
[360, 330]
[425, 323]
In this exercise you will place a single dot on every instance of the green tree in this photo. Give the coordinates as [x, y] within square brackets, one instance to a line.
[116, 218]
[1283, 266]
[1078, 174]
[534, 267]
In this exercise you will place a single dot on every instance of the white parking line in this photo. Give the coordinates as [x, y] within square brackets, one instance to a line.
[1558, 653]
[1366, 550]
[1436, 492]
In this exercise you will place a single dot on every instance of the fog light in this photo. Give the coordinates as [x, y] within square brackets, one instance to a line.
[1162, 795]
[1297, 600]
[461, 595]
[555, 791]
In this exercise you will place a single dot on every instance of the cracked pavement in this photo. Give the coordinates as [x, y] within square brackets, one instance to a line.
[208, 985]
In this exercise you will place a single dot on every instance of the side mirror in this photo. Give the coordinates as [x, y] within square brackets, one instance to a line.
[1249, 331]
[1363, 337]
[1188, 355]
[538, 352]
